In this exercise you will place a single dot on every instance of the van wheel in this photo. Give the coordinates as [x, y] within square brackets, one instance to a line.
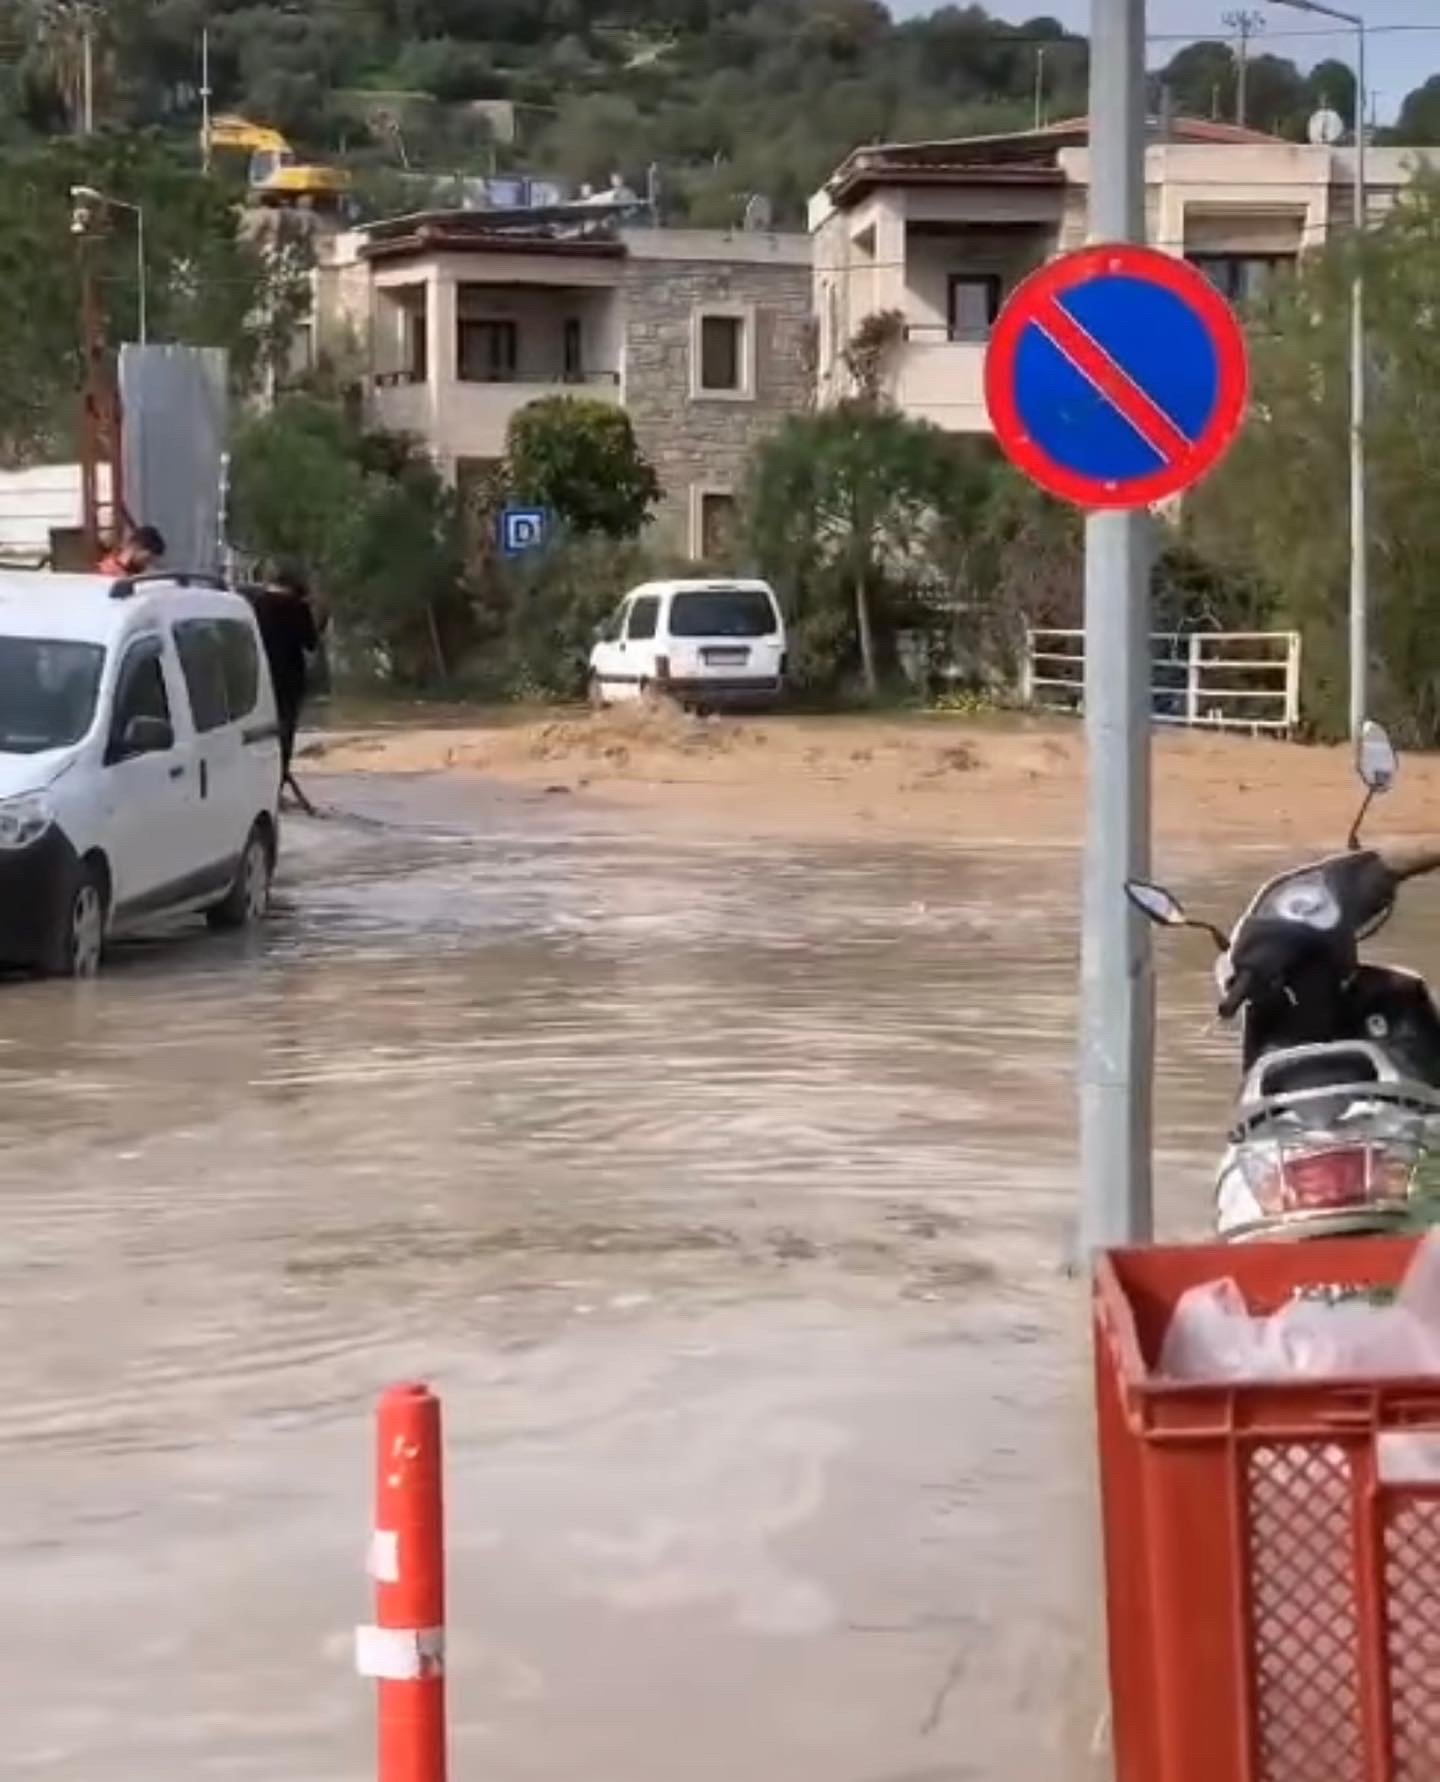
[79, 943]
[248, 898]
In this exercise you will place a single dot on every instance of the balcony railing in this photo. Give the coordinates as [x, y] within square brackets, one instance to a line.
[559, 380]
[938, 334]
[1228, 680]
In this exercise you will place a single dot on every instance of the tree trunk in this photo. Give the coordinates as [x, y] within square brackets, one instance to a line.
[435, 644]
[867, 640]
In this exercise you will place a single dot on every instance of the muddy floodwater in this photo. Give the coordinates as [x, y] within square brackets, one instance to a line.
[721, 1189]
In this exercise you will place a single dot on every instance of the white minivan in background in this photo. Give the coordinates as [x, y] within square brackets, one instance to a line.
[706, 644]
[139, 762]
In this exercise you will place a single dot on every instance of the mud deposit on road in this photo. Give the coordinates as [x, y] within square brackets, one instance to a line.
[721, 1188]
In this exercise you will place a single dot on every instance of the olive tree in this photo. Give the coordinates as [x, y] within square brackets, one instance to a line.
[845, 509]
[578, 458]
[1278, 508]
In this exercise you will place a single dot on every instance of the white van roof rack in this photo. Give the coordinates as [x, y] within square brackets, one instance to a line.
[128, 585]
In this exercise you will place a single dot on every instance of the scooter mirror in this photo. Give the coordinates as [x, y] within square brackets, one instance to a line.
[1157, 903]
[1378, 763]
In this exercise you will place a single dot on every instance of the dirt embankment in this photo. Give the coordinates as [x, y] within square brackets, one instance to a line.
[922, 777]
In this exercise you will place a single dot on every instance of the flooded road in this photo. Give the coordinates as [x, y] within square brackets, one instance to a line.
[721, 1190]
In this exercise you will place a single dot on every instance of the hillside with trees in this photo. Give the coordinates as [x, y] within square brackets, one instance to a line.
[724, 98]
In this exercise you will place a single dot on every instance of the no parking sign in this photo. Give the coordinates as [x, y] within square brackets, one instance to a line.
[1116, 377]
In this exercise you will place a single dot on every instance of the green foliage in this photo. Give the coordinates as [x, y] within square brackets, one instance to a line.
[205, 284]
[729, 97]
[545, 607]
[578, 458]
[1204, 80]
[296, 484]
[400, 585]
[849, 512]
[1278, 508]
[1419, 120]
[369, 520]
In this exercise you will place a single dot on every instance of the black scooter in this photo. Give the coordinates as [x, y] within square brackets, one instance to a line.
[1341, 1058]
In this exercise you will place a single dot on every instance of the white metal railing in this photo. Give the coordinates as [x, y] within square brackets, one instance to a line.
[1232, 680]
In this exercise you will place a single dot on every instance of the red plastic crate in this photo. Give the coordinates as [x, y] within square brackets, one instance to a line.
[1272, 1552]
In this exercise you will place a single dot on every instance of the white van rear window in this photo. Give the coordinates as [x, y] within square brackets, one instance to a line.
[723, 612]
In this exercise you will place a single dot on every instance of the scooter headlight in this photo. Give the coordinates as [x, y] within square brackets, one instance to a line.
[24, 820]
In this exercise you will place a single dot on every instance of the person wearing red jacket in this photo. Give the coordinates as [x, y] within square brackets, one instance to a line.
[141, 548]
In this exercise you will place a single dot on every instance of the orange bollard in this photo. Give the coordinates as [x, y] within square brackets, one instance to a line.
[405, 1650]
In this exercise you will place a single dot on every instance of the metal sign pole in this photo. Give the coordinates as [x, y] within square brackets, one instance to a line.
[1359, 551]
[1117, 1018]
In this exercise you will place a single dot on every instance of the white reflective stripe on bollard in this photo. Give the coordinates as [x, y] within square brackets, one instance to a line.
[384, 1562]
[400, 1654]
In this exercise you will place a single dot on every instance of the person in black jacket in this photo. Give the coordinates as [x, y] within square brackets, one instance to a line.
[290, 632]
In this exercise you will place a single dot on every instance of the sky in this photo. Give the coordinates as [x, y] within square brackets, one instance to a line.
[1399, 61]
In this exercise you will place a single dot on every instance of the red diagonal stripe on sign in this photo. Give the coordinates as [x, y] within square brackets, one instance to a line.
[1113, 382]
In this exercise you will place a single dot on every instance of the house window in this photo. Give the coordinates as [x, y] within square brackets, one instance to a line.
[487, 352]
[714, 513]
[1242, 278]
[403, 337]
[417, 346]
[573, 347]
[722, 354]
[974, 305]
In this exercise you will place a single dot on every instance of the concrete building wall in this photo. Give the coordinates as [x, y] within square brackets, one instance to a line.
[897, 247]
[858, 271]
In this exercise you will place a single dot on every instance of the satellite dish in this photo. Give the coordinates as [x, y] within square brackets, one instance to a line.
[1326, 128]
[759, 213]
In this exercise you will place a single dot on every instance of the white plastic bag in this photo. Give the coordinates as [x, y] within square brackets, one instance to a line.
[1213, 1336]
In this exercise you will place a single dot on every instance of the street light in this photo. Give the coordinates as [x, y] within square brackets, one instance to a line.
[1359, 559]
[85, 198]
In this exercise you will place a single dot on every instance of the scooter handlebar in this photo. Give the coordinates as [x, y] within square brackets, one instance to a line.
[1410, 862]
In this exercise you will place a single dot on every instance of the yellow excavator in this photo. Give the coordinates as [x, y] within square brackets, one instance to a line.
[277, 176]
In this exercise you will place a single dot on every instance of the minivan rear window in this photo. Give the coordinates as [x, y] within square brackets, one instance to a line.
[723, 612]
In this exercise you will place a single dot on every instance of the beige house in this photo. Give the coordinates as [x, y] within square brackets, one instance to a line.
[938, 234]
[462, 318]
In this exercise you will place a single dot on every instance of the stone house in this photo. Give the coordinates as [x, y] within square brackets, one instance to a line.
[461, 318]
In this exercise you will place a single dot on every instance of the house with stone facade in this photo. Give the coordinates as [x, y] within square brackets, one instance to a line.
[461, 318]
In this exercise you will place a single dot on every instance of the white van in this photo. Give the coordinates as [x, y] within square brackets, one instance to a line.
[704, 643]
[139, 762]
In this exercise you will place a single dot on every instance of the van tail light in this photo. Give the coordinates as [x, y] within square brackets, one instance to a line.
[662, 668]
[784, 662]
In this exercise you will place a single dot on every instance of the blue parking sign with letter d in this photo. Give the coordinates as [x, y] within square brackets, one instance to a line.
[522, 529]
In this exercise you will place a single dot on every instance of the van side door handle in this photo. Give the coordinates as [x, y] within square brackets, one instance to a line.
[177, 773]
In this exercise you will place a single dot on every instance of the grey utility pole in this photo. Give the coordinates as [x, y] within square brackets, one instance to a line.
[1117, 982]
[1245, 25]
[1359, 547]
